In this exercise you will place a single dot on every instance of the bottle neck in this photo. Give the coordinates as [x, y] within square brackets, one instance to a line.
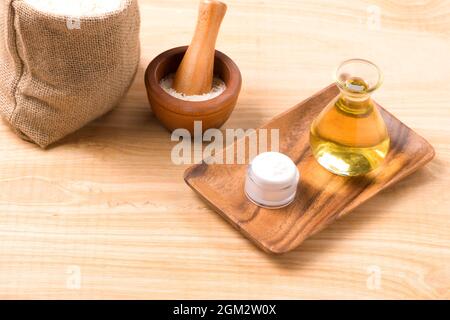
[355, 103]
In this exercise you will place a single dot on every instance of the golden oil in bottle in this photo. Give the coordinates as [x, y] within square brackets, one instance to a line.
[349, 137]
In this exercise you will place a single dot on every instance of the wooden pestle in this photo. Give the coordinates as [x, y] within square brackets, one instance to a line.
[196, 71]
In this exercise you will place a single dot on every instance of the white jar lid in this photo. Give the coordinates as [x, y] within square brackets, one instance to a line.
[272, 180]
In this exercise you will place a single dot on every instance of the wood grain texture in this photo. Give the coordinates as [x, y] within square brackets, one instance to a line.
[322, 197]
[108, 200]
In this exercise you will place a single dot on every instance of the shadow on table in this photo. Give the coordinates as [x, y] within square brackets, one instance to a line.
[131, 119]
[324, 242]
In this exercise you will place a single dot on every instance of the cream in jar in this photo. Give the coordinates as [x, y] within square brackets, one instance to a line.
[272, 180]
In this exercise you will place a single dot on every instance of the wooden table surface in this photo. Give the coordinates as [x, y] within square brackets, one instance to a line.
[105, 213]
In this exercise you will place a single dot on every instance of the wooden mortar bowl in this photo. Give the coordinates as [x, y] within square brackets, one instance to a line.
[175, 113]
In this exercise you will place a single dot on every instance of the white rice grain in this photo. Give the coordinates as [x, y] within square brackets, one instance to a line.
[218, 88]
[77, 8]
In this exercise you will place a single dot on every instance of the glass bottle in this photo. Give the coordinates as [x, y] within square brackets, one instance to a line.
[349, 137]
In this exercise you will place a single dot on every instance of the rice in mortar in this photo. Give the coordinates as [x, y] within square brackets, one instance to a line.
[218, 87]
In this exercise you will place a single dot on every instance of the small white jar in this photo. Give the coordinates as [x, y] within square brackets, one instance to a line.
[272, 180]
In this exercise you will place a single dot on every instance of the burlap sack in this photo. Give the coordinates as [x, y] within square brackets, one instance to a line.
[59, 73]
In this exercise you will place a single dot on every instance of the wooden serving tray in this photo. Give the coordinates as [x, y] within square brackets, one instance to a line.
[322, 198]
